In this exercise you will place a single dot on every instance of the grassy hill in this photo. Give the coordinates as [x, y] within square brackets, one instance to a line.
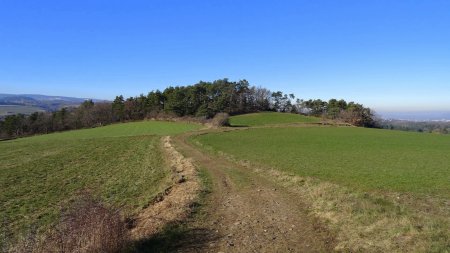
[352, 179]
[122, 164]
[367, 159]
[270, 118]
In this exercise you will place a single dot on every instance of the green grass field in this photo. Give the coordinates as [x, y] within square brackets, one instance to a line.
[270, 118]
[366, 159]
[122, 164]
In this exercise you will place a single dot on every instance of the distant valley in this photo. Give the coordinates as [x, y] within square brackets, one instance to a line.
[29, 103]
[417, 116]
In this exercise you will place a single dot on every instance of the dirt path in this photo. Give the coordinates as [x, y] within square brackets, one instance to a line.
[248, 213]
[174, 204]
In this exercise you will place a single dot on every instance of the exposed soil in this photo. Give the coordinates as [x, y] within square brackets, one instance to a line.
[246, 212]
[175, 203]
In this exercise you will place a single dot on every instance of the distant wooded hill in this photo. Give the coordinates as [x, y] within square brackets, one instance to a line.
[29, 103]
[202, 100]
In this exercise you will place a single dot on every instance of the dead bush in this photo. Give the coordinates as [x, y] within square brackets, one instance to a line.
[221, 119]
[90, 226]
[87, 226]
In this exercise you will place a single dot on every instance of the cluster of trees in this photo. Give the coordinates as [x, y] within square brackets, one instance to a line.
[86, 115]
[349, 112]
[204, 100]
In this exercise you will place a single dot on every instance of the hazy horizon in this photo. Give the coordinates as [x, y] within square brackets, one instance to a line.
[416, 115]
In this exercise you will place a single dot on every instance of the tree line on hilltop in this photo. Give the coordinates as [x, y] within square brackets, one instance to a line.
[202, 100]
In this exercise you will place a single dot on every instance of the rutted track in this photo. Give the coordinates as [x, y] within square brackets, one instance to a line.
[249, 213]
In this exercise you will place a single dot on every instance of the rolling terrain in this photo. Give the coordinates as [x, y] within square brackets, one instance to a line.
[272, 182]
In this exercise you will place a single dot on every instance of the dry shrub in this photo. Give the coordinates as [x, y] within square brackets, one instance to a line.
[170, 116]
[87, 226]
[221, 119]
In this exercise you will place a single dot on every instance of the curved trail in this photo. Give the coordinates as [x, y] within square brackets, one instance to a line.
[246, 212]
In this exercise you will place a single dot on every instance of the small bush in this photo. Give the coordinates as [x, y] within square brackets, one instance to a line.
[221, 119]
[87, 226]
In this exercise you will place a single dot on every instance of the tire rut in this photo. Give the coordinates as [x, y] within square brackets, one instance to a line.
[249, 213]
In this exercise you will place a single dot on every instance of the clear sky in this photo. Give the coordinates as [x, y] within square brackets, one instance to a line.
[389, 55]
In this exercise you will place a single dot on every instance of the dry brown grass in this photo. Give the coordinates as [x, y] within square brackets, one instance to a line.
[162, 116]
[372, 222]
[220, 119]
[87, 226]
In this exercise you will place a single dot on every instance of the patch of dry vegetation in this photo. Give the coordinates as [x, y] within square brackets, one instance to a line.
[87, 226]
[373, 222]
[220, 120]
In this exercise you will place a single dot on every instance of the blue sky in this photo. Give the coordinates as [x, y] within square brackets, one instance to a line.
[389, 55]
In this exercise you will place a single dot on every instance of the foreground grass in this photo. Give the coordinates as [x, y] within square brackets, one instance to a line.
[122, 164]
[366, 159]
[270, 118]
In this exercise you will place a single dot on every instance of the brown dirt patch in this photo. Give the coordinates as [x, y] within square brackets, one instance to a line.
[246, 212]
[174, 204]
